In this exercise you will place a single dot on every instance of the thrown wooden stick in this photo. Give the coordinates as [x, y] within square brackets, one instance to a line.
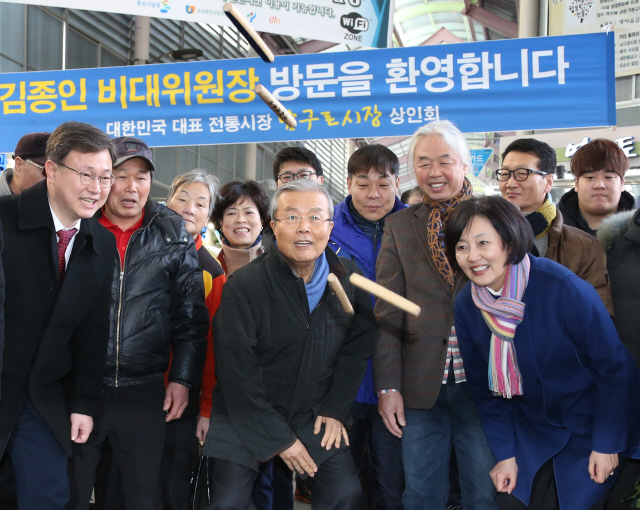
[336, 287]
[386, 294]
[252, 37]
[276, 106]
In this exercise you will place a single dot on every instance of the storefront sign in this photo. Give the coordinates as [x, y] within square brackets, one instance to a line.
[626, 143]
[365, 22]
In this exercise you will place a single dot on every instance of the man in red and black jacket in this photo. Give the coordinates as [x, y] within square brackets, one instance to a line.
[157, 308]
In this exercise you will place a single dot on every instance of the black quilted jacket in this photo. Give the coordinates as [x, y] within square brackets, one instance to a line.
[157, 305]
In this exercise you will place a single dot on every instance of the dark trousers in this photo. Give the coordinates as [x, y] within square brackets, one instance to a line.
[335, 486]
[282, 485]
[39, 463]
[132, 420]
[621, 495]
[426, 445]
[8, 489]
[181, 453]
[455, 492]
[377, 455]
[262, 492]
[544, 493]
[107, 488]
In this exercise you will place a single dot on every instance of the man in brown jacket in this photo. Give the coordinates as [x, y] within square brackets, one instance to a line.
[417, 368]
[525, 180]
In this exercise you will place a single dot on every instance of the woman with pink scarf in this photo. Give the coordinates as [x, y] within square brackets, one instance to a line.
[557, 392]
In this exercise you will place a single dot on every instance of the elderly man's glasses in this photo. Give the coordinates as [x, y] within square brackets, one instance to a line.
[37, 165]
[293, 219]
[88, 176]
[288, 177]
[519, 174]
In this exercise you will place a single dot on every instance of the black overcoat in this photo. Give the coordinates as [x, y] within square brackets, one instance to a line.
[280, 365]
[55, 335]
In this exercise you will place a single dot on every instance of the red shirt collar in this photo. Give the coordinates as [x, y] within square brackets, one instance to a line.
[107, 223]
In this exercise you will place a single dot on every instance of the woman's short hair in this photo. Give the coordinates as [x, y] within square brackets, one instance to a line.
[599, 154]
[449, 134]
[410, 193]
[301, 186]
[197, 175]
[233, 191]
[512, 227]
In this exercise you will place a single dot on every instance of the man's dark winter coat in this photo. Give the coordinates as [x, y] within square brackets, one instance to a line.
[620, 238]
[279, 366]
[55, 336]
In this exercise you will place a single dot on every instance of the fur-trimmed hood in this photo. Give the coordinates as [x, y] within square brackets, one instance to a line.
[616, 225]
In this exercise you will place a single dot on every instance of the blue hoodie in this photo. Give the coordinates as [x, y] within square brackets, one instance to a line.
[349, 241]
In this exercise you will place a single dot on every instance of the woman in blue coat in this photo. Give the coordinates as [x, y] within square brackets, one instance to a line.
[557, 392]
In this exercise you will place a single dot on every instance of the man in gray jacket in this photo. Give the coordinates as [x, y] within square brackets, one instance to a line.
[29, 170]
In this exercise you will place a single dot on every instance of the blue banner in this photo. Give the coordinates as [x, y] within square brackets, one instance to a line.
[507, 85]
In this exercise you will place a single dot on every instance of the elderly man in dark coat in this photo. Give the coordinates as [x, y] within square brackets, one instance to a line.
[58, 266]
[290, 360]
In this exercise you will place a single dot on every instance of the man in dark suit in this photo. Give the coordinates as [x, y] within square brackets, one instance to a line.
[58, 265]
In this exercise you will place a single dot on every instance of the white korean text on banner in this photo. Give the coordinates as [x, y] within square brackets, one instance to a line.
[516, 84]
[363, 22]
[587, 16]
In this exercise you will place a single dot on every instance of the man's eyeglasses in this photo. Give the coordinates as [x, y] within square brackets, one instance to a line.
[288, 177]
[519, 174]
[293, 219]
[88, 176]
[37, 165]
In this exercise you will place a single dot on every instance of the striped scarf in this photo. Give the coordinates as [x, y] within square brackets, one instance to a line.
[502, 316]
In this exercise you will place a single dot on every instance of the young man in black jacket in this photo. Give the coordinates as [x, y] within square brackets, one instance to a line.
[289, 359]
[599, 168]
[157, 307]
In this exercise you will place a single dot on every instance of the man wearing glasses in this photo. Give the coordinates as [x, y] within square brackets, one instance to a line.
[292, 163]
[289, 360]
[157, 308]
[58, 267]
[296, 163]
[525, 180]
[29, 167]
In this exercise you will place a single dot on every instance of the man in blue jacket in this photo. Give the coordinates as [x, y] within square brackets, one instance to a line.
[372, 181]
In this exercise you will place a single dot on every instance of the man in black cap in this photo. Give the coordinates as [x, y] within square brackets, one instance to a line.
[157, 308]
[29, 169]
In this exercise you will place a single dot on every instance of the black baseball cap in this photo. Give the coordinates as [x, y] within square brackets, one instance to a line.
[33, 146]
[129, 148]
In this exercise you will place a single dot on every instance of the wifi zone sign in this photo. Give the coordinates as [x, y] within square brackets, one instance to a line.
[354, 23]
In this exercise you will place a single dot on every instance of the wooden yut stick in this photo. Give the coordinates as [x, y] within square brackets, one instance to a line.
[386, 294]
[245, 28]
[276, 106]
[336, 287]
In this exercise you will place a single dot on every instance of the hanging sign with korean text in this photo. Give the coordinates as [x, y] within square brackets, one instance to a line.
[508, 85]
[361, 22]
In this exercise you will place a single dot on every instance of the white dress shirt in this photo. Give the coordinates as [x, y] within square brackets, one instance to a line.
[59, 226]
